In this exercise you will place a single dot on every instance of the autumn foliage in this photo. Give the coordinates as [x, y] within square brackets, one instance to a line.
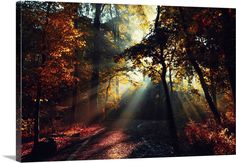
[81, 66]
[220, 138]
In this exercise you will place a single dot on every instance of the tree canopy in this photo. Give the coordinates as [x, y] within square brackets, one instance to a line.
[84, 63]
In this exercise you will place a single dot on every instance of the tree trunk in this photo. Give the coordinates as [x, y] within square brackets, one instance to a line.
[199, 72]
[106, 98]
[95, 62]
[213, 86]
[36, 114]
[229, 46]
[75, 94]
[206, 91]
[117, 89]
[39, 89]
[157, 18]
[171, 83]
[107, 92]
[116, 36]
[213, 94]
[170, 117]
[76, 74]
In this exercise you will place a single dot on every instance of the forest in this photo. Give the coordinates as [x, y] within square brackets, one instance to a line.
[111, 81]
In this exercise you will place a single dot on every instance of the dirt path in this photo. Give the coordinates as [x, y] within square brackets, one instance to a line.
[117, 142]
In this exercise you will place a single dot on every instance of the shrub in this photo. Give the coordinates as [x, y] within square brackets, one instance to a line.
[220, 139]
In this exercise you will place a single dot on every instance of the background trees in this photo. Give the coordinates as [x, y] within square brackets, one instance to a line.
[82, 62]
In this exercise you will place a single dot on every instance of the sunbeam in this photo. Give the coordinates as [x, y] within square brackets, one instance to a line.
[133, 106]
[104, 81]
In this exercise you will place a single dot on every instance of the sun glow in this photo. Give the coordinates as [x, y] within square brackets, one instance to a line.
[140, 29]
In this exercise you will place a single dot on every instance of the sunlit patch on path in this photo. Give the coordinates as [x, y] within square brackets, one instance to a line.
[110, 145]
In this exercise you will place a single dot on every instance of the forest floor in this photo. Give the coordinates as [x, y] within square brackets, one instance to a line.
[118, 139]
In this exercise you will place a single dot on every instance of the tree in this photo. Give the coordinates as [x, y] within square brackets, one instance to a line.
[39, 85]
[47, 69]
[228, 21]
[196, 47]
[75, 92]
[198, 70]
[96, 60]
[153, 46]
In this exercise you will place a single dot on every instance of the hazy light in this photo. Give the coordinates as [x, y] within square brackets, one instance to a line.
[134, 104]
[138, 33]
[136, 75]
